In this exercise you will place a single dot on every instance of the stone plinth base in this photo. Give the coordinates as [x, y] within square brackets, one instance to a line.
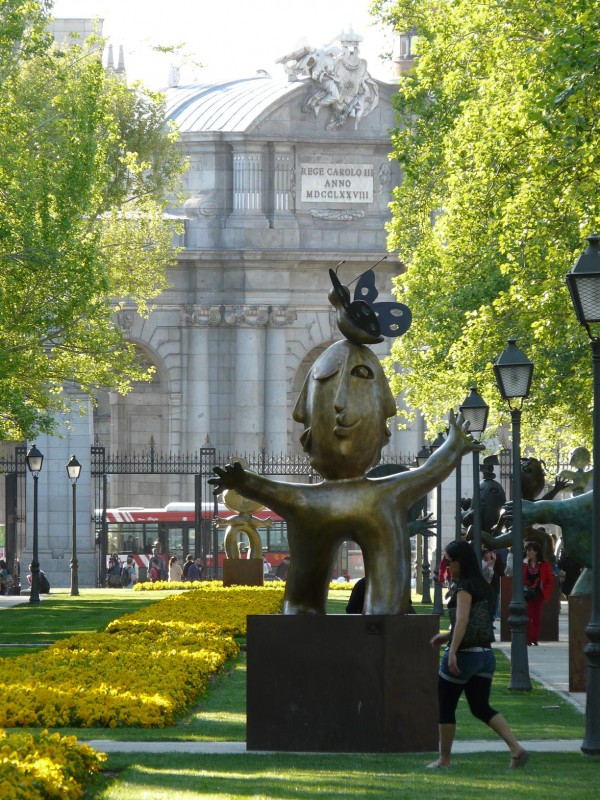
[580, 611]
[550, 612]
[243, 572]
[342, 684]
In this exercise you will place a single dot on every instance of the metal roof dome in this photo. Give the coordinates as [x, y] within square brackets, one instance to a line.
[228, 106]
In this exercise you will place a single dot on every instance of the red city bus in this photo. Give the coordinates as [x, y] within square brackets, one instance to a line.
[136, 531]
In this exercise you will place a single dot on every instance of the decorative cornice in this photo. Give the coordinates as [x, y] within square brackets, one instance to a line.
[238, 316]
[337, 214]
[246, 316]
[281, 316]
[125, 320]
[202, 316]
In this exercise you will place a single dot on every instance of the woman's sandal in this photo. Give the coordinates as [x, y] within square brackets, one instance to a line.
[520, 760]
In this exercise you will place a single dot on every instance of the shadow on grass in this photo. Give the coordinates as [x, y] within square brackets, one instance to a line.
[382, 777]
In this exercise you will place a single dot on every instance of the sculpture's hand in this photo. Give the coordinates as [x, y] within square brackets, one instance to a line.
[231, 476]
[459, 428]
[421, 524]
[528, 513]
[561, 482]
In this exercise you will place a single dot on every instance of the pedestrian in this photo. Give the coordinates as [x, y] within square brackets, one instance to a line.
[6, 579]
[175, 570]
[283, 568]
[189, 560]
[538, 580]
[43, 582]
[468, 664]
[194, 572]
[128, 574]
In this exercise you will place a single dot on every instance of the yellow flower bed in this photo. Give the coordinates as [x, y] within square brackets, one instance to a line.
[144, 670]
[226, 606]
[45, 766]
[345, 586]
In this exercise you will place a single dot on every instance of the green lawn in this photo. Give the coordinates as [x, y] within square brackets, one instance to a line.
[221, 717]
[551, 776]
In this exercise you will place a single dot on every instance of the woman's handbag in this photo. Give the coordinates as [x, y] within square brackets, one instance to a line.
[529, 592]
[480, 630]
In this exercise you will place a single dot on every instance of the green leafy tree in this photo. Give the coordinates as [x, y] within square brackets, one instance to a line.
[86, 166]
[498, 142]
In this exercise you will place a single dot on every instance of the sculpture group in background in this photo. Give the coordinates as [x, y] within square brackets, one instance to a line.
[344, 406]
[573, 515]
[339, 80]
[581, 473]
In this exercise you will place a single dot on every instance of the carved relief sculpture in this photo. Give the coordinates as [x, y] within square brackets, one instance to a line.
[339, 80]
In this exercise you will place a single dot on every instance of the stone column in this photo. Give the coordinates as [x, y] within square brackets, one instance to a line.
[75, 436]
[276, 407]
[248, 186]
[249, 388]
[198, 320]
[283, 186]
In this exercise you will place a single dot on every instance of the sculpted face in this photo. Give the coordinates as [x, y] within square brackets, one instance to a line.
[492, 498]
[344, 405]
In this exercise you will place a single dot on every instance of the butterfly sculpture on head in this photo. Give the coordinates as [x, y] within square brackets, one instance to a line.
[362, 320]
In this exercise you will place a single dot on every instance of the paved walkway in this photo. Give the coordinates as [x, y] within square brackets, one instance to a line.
[548, 664]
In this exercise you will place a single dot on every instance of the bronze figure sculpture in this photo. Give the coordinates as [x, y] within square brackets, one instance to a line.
[345, 405]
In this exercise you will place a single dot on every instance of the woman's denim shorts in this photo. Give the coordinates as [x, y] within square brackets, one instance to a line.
[470, 663]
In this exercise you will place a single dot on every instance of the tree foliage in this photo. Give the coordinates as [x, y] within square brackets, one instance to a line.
[86, 166]
[498, 143]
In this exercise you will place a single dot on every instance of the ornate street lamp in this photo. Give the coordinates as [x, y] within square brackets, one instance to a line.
[584, 284]
[438, 603]
[475, 411]
[34, 461]
[421, 458]
[513, 375]
[74, 471]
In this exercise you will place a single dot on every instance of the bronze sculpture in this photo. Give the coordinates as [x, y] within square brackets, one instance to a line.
[345, 405]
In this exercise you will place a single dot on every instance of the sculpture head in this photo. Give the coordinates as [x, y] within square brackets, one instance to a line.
[492, 498]
[344, 406]
[580, 458]
[533, 477]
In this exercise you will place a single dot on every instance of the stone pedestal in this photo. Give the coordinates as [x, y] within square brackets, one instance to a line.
[550, 612]
[580, 611]
[342, 684]
[243, 572]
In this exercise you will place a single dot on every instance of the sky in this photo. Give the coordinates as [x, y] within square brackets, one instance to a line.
[228, 37]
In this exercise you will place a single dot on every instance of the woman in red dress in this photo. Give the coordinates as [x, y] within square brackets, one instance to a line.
[537, 587]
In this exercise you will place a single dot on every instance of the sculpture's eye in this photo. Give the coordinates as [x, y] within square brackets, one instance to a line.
[363, 371]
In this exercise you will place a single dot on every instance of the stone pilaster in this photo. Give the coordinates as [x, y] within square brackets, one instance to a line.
[249, 387]
[276, 383]
[198, 320]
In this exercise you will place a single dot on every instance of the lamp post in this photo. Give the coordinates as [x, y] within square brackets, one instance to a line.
[438, 603]
[74, 471]
[513, 375]
[584, 285]
[34, 461]
[475, 411]
[421, 458]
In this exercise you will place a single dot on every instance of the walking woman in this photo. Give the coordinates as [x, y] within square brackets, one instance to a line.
[537, 588]
[468, 664]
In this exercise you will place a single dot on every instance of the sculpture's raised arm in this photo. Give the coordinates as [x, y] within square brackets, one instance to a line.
[280, 497]
[440, 464]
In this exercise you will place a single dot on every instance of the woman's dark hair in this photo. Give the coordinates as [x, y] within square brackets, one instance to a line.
[538, 549]
[172, 560]
[470, 566]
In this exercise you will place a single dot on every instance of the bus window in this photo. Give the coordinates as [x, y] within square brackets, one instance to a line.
[277, 537]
